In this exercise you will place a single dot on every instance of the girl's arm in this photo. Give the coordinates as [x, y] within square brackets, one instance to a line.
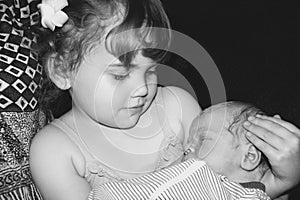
[182, 106]
[280, 142]
[56, 168]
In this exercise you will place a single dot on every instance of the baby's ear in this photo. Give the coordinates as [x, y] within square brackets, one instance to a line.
[60, 77]
[251, 158]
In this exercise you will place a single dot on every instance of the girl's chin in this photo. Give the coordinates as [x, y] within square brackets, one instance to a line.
[127, 123]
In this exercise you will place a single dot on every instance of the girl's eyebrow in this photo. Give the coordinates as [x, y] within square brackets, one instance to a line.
[121, 65]
[116, 65]
[131, 65]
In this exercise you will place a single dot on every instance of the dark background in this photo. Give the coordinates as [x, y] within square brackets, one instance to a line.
[255, 45]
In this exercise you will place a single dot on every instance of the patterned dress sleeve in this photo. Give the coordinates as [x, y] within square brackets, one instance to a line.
[20, 85]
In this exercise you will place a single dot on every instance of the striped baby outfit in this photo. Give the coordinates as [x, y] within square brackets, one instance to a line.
[190, 180]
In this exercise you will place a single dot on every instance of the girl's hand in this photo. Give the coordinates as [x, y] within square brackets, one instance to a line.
[280, 142]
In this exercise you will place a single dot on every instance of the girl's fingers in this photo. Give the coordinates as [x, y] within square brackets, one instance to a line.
[272, 125]
[277, 116]
[264, 135]
[283, 123]
[266, 148]
[280, 142]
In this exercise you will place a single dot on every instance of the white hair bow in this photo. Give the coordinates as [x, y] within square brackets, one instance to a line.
[52, 14]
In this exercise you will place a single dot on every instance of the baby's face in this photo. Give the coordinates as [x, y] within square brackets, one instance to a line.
[213, 143]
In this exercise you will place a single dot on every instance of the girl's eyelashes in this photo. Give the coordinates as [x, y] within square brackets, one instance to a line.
[120, 77]
[119, 73]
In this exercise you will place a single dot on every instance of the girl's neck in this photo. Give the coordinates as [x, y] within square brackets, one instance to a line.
[114, 146]
[78, 118]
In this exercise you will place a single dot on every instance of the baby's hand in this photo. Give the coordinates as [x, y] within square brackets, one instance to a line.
[280, 142]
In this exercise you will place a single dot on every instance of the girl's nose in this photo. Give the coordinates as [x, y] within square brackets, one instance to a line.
[141, 89]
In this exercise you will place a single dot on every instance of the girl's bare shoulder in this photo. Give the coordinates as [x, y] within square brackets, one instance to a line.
[176, 97]
[52, 145]
[57, 165]
[51, 137]
[181, 108]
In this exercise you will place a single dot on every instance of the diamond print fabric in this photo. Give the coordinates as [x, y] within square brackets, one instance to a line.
[20, 84]
[20, 71]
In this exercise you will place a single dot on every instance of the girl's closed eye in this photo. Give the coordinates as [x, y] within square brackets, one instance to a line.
[118, 73]
[120, 77]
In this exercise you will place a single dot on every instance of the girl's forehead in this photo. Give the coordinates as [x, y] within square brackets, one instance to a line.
[100, 55]
[139, 59]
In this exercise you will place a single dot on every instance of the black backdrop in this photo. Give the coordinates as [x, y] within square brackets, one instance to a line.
[255, 45]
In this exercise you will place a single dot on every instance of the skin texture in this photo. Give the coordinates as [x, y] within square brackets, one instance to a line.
[227, 154]
[65, 179]
[277, 139]
[215, 143]
[128, 92]
[280, 142]
[103, 85]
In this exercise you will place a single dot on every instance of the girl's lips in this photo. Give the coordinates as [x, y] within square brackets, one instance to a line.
[137, 106]
[136, 109]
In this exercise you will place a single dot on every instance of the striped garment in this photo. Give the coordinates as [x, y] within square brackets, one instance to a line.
[190, 180]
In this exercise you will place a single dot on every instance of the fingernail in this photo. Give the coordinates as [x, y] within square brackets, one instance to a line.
[251, 118]
[246, 123]
[277, 116]
[248, 134]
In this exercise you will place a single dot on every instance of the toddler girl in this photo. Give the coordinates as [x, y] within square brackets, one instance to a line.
[121, 124]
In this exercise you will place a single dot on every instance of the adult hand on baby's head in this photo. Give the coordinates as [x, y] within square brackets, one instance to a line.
[280, 142]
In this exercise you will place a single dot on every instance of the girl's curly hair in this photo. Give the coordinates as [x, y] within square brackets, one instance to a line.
[125, 26]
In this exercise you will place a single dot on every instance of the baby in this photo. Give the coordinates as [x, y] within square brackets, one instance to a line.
[220, 163]
[217, 136]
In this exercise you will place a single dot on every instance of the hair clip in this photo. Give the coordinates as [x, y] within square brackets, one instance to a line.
[52, 14]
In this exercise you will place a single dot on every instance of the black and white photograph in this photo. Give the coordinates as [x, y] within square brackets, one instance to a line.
[149, 99]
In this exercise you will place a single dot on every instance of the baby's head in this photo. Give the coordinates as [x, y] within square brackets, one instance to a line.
[217, 136]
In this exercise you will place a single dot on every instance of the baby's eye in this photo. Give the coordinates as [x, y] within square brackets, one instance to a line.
[203, 137]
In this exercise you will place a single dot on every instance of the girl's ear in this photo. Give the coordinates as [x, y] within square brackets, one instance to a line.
[251, 158]
[60, 77]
